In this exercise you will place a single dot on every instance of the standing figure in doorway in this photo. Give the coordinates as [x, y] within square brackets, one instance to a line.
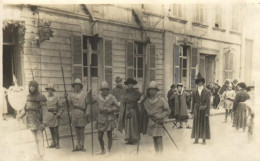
[117, 92]
[78, 103]
[129, 113]
[34, 118]
[181, 112]
[106, 120]
[229, 96]
[200, 110]
[53, 116]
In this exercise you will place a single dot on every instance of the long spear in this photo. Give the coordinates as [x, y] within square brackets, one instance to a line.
[67, 103]
[90, 92]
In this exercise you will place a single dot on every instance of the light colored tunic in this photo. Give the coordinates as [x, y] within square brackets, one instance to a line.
[78, 104]
[156, 109]
[229, 97]
[106, 107]
[54, 108]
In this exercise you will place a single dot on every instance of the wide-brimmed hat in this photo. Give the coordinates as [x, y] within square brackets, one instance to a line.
[130, 81]
[104, 85]
[179, 84]
[172, 86]
[118, 79]
[77, 81]
[242, 85]
[153, 85]
[50, 86]
[199, 79]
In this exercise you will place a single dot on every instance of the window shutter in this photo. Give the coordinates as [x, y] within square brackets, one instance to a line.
[152, 62]
[231, 56]
[176, 63]
[129, 60]
[77, 57]
[108, 62]
[194, 62]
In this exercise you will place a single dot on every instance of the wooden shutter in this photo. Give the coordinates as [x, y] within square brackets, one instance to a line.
[108, 62]
[176, 61]
[152, 62]
[76, 57]
[194, 62]
[228, 71]
[129, 59]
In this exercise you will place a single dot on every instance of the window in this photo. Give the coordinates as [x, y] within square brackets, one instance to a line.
[228, 71]
[235, 18]
[183, 63]
[199, 13]
[177, 10]
[218, 18]
[138, 60]
[94, 57]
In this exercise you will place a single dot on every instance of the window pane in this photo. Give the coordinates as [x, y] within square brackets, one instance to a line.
[140, 48]
[140, 73]
[184, 63]
[85, 59]
[85, 71]
[184, 73]
[8, 34]
[140, 63]
[85, 42]
[135, 62]
[94, 60]
[94, 72]
[184, 51]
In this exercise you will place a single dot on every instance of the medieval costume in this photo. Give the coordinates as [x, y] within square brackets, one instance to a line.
[157, 110]
[181, 112]
[106, 120]
[171, 103]
[34, 118]
[240, 119]
[53, 116]
[117, 92]
[129, 114]
[78, 104]
[229, 96]
[200, 110]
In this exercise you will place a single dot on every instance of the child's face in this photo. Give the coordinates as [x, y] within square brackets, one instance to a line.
[77, 87]
[153, 92]
[179, 88]
[50, 92]
[32, 89]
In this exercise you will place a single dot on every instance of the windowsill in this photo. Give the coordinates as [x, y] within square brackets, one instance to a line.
[199, 24]
[235, 32]
[178, 20]
[219, 29]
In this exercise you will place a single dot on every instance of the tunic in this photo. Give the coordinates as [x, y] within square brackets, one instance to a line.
[54, 108]
[239, 107]
[78, 102]
[106, 107]
[201, 107]
[171, 102]
[156, 109]
[229, 97]
[129, 115]
[118, 92]
[33, 110]
[181, 112]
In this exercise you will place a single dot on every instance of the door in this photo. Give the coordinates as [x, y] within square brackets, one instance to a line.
[207, 67]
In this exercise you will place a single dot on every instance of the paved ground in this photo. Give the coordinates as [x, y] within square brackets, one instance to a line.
[226, 144]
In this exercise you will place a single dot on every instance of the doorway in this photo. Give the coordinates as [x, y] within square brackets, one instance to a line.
[207, 67]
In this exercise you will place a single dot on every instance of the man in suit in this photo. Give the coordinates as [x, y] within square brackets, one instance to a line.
[200, 110]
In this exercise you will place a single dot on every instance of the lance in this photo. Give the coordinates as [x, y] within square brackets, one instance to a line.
[67, 103]
[90, 93]
[33, 77]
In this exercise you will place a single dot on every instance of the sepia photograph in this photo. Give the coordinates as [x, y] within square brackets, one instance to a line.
[129, 80]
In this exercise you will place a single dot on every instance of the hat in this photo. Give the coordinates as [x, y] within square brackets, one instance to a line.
[153, 85]
[242, 85]
[50, 86]
[104, 85]
[179, 84]
[199, 79]
[118, 79]
[172, 86]
[77, 81]
[130, 81]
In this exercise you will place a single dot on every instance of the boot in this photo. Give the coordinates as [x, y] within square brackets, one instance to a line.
[204, 142]
[58, 145]
[83, 149]
[196, 141]
[103, 152]
[53, 145]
